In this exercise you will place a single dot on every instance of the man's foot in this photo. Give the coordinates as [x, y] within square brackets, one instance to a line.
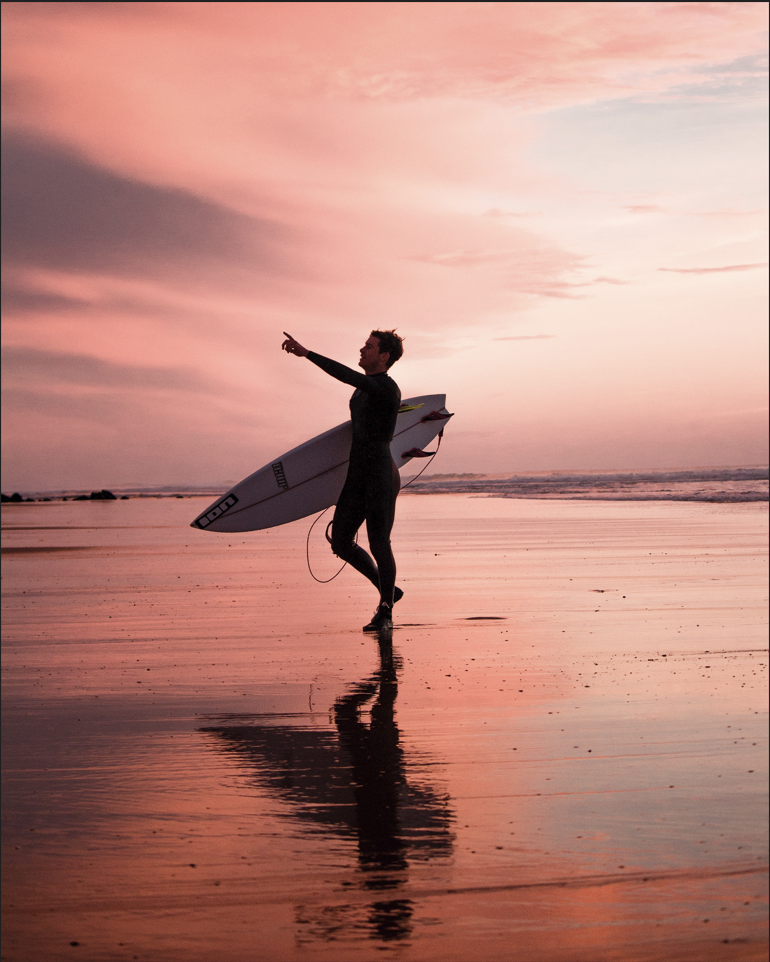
[382, 620]
[398, 594]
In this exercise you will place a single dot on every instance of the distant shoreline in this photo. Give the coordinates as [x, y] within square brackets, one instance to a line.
[721, 485]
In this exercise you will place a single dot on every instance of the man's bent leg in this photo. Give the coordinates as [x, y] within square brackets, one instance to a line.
[348, 518]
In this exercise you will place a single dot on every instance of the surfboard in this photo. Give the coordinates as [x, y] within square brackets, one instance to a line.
[309, 478]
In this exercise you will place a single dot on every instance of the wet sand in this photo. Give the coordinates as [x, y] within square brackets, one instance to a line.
[560, 756]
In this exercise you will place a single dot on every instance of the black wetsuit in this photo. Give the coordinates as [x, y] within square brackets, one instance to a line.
[373, 481]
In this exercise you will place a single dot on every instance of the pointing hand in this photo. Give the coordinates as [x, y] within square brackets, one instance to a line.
[293, 347]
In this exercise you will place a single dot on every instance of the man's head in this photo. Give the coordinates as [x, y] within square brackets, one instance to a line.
[381, 351]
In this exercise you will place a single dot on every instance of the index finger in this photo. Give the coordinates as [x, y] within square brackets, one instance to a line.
[288, 335]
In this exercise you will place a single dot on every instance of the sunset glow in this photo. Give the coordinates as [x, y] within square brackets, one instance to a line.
[561, 207]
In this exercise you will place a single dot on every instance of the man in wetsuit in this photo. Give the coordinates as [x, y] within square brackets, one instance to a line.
[372, 482]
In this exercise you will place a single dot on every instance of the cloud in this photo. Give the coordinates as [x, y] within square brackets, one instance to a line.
[529, 54]
[643, 208]
[466, 258]
[608, 280]
[532, 55]
[30, 366]
[743, 78]
[62, 212]
[526, 337]
[761, 212]
[532, 267]
[712, 270]
[18, 299]
[498, 212]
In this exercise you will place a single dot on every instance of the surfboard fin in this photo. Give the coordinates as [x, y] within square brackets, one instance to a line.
[436, 416]
[417, 453]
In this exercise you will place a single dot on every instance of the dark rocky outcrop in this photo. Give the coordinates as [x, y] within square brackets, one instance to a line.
[103, 495]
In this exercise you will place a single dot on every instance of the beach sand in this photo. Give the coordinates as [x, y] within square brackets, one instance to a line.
[561, 757]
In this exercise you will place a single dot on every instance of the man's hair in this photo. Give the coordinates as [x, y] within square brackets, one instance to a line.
[390, 343]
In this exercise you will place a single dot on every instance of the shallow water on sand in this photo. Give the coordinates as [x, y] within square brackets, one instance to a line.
[560, 755]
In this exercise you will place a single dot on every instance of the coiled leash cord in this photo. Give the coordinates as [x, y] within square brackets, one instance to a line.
[321, 581]
[326, 581]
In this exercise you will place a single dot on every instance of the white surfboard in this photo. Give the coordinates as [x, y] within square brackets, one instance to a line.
[309, 478]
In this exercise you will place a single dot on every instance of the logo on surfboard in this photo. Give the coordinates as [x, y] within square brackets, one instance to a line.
[280, 477]
[217, 511]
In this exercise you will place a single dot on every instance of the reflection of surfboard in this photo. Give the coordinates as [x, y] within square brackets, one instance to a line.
[309, 478]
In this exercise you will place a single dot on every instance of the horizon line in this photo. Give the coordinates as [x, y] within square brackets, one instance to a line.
[221, 486]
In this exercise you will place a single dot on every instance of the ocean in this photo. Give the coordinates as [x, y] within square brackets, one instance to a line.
[721, 485]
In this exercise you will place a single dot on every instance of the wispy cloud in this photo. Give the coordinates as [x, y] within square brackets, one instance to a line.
[533, 267]
[643, 208]
[712, 270]
[608, 280]
[31, 366]
[758, 212]
[467, 258]
[18, 299]
[526, 337]
[499, 212]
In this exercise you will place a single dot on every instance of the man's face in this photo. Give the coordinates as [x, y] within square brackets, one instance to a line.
[370, 354]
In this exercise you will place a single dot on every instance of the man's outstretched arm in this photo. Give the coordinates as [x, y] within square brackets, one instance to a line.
[345, 374]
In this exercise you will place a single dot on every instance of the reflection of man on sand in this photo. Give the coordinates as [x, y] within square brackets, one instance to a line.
[378, 765]
[360, 791]
[373, 481]
[378, 776]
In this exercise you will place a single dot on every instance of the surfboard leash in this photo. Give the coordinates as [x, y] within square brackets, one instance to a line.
[322, 581]
[440, 436]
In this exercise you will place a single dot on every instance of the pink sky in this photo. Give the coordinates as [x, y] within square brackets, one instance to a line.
[561, 206]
